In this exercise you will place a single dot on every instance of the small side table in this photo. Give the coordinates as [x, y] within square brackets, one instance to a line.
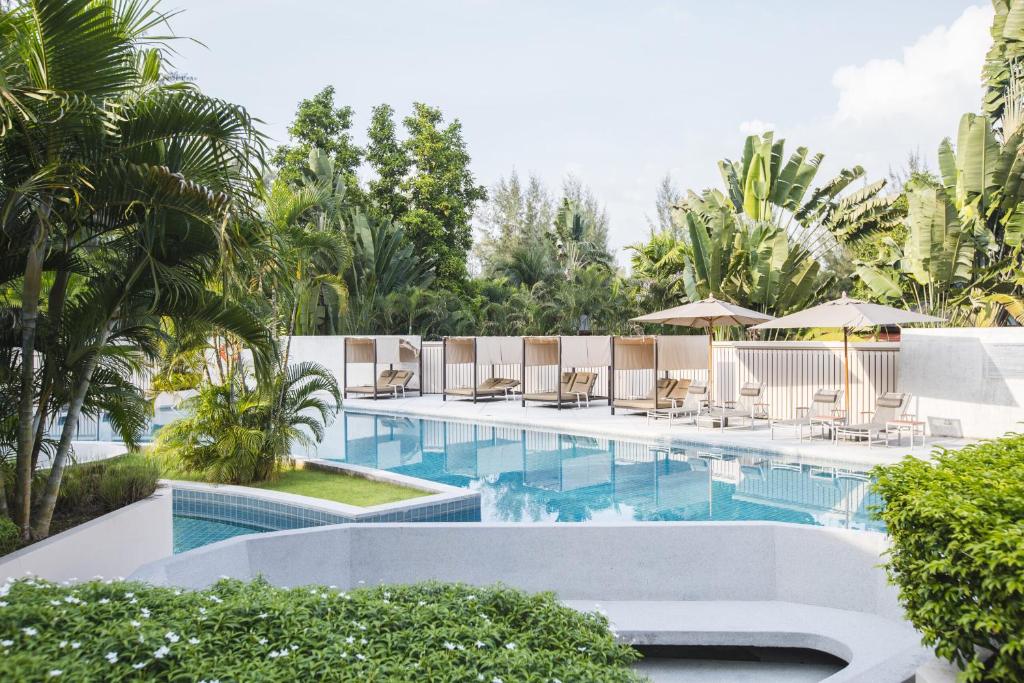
[913, 428]
[827, 422]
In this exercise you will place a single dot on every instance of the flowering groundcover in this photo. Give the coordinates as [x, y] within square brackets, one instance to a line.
[235, 630]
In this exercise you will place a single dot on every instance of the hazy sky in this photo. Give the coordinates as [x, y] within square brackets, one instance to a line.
[618, 93]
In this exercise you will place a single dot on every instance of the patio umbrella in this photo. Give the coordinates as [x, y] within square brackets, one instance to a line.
[848, 314]
[706, 313]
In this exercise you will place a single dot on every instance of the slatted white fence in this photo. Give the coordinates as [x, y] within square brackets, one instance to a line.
[790, 371]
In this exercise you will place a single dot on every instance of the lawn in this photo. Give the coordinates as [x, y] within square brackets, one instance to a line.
[340, 488]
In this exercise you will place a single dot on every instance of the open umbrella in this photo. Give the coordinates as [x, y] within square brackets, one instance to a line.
[848, 314]
[706, 313]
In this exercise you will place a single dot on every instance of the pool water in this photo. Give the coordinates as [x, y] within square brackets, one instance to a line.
[193, 532]
[537, 476]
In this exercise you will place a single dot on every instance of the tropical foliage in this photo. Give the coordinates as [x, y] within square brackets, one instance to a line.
[958, 553]
[240, 431]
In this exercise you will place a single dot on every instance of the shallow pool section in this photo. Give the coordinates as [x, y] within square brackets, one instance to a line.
[524, 475]
[194, 532]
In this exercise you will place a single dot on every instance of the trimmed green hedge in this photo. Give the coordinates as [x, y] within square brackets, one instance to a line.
[252, 631]
[957, 556]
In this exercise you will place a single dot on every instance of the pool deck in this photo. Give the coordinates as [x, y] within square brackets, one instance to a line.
[597, 421]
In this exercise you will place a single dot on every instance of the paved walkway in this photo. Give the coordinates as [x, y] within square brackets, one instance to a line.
[597, 421]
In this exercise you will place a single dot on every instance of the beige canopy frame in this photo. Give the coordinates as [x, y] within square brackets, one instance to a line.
[654, 354]
[387, 351]
[584, 351]
[479, 351]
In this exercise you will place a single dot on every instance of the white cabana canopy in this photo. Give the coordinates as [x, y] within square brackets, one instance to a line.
[383, 350]
[576, 351]
[849, 314]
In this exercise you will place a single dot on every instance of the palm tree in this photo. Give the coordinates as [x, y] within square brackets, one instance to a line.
[116, 187]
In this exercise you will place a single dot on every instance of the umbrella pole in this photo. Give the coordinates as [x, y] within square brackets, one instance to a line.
[846, 374]
[711, 360]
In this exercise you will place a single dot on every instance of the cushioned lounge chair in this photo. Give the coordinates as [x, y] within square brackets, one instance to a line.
[565, 380]
[824, 409]
[645, 403]
[390, 383]
[493, 387]
[889, 406]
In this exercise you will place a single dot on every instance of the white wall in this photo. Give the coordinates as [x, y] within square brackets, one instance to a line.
[967, 379]
[113, 545]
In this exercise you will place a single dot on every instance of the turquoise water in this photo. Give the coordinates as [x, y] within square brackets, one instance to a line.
[536, 476]
[193, 532]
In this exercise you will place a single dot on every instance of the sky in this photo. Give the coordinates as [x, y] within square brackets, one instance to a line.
[617, 93]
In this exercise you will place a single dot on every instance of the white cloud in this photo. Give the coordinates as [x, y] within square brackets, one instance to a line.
[932, 79]
[756, 127]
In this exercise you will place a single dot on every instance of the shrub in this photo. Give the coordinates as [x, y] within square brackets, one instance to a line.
[10, 536]
[128, 479]
[957, 556]
[253, 631]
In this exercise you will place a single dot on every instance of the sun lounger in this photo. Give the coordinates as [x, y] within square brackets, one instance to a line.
[389, 384]
[492, 387]
[823, 411]
[683, 403]
[889, 407]
[566, 380]
[748, 407]
[645, 403]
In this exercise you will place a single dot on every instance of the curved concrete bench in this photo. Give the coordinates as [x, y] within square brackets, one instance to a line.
[704, 583]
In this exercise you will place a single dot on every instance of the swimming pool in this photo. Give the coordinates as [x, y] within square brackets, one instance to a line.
[525, 475]
[194, 532]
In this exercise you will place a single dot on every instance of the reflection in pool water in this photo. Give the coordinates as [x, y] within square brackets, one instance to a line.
[531, 476]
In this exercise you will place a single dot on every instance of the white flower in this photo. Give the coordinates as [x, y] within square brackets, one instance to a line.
[350, 640]
[363, 641]
[470, 597]
[177, 592]
[449, 646]
[497, 680]
[172, 636]
[510, 646]
[193, 641]
[421, 603]
[135, 623]
[144, 612]
[161, 651]
[111, 657]
[129, 595]
[263, 615]
[262, 641]
[582, 648]
[479, 644]
[6, 643]
[29, 631]
[202, 610]
[479, 677]
[214, 598]
[3, 603]
[361, 658]
[63, 644]
[55, 672]
[104, 601]
[75, 645]
[55, 603]
[138, 665]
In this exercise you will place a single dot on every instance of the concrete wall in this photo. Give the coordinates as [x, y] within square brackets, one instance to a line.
[966, 379]
[115, 544]
[657, 561]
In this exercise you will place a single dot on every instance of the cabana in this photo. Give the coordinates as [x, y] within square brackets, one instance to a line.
[565, 354]
[388, 351]
[480, 352]
[656, 355]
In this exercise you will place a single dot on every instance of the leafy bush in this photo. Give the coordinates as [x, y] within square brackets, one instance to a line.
[108, 484]
[10, 536]
[243, 431]
[957, 530]
[127, 480]
[252, 631]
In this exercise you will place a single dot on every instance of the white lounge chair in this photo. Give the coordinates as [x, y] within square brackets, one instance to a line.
[824, 406]
[889, 407]
[747, 408]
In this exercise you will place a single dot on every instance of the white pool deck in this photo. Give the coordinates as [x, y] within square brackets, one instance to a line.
[598, 421]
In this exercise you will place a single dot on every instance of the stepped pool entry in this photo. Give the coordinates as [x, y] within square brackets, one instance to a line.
[526, 475]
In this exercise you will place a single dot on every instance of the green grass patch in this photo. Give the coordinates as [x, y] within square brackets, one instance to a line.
[341, 488]
[333, 486]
